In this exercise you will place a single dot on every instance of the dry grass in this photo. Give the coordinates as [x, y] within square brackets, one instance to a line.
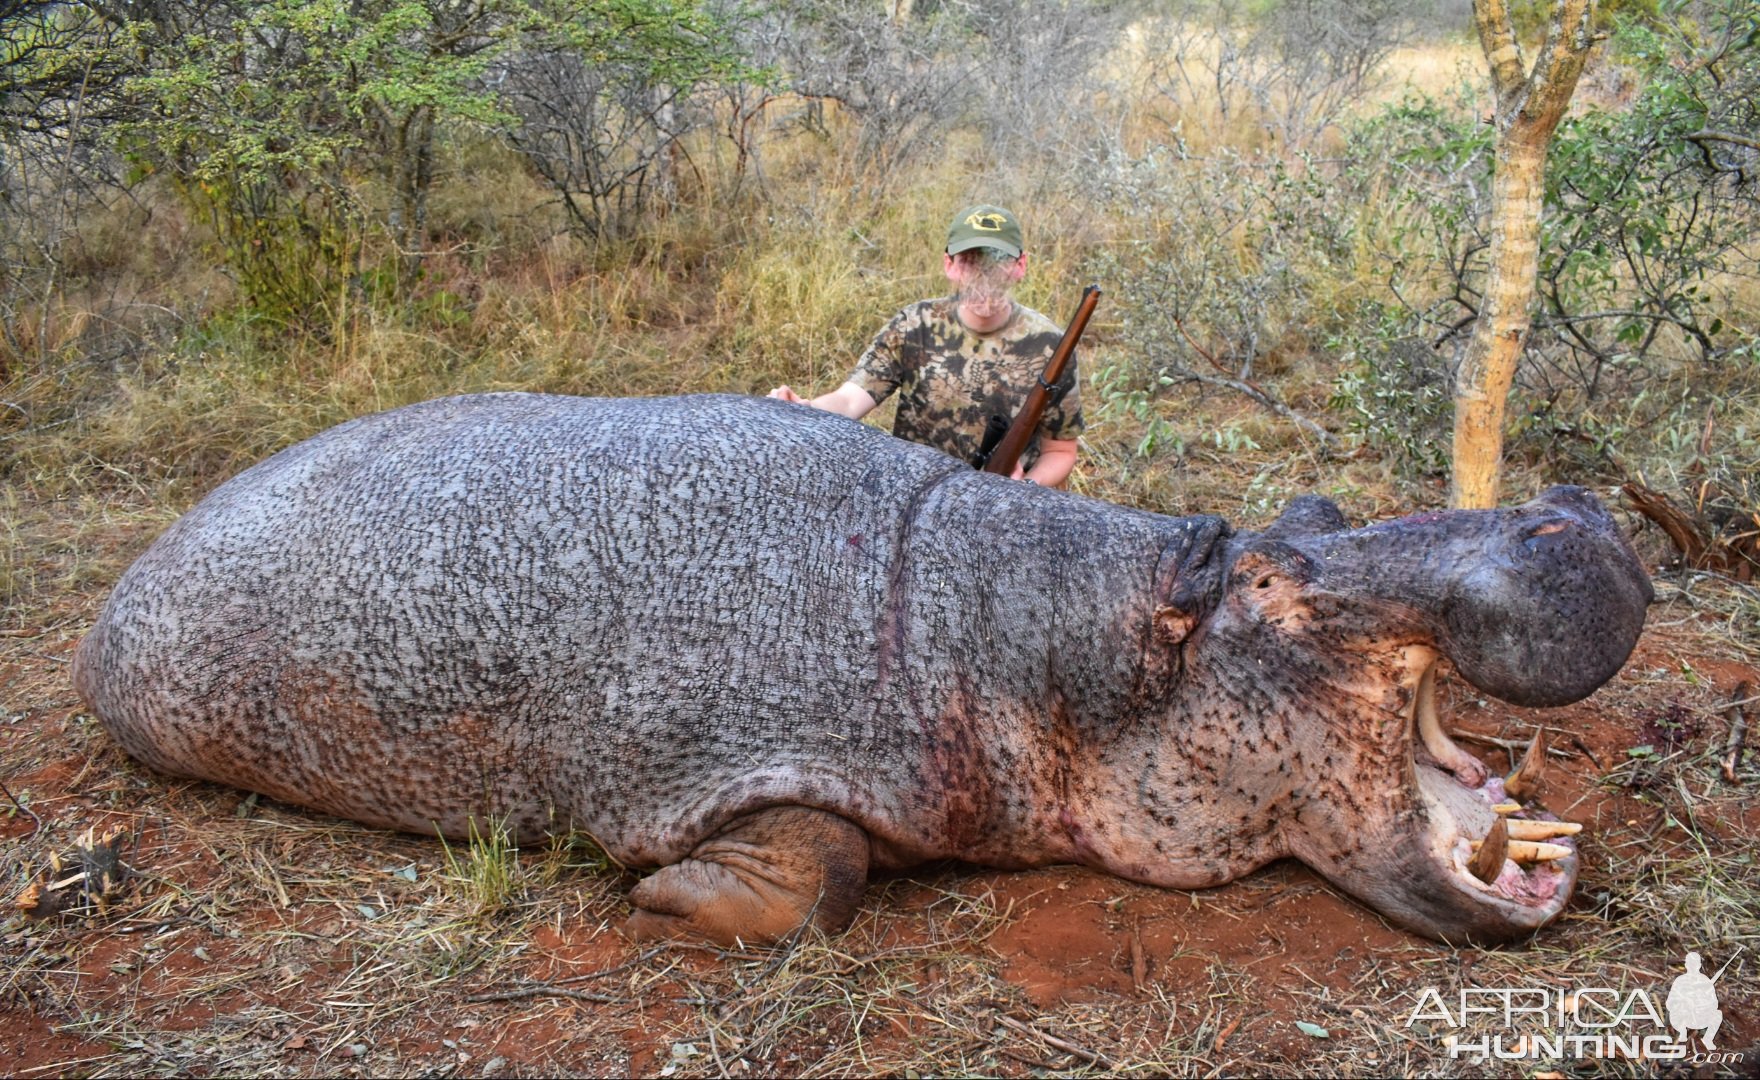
[261, 940]
[1434, 69]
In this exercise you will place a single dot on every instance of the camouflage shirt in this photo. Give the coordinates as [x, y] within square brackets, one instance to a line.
[951, 380]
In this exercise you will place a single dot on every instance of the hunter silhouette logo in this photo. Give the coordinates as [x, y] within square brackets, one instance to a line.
[1692, 1002]
[1539, 1022]
[986, 222]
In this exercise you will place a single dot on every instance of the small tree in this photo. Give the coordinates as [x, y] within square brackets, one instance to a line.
[1530, 104]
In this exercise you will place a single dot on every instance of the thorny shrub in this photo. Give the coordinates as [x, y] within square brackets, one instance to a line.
[1222, 258]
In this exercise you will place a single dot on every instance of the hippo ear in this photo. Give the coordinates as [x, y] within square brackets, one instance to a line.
[1310, 515]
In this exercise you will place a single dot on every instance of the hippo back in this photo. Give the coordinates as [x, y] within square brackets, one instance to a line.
[459, 607]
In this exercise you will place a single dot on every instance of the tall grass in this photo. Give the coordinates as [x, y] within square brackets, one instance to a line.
[782, 276]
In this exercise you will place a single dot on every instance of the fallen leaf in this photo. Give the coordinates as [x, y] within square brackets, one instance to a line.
[1315, 1030]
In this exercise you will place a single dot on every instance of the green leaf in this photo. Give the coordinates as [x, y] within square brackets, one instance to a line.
[1315, 1030]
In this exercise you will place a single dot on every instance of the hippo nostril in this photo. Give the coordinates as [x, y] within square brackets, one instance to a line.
[1534, 539]
[1544, 537]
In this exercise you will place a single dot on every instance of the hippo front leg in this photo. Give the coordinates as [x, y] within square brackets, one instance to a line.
[757, 880]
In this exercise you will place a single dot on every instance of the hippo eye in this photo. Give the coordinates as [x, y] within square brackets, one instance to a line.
[1266, 582]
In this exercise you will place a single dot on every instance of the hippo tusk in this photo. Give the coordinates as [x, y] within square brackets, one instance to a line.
[1527, 851]
[1444, 749]
[1525, 829]
[1507, 808]
[1526, 777]
[1488, 862]
[1522, 851]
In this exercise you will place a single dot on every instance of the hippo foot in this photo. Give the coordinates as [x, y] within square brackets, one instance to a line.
[757, 880]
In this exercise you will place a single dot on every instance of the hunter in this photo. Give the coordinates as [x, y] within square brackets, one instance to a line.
[958, 360]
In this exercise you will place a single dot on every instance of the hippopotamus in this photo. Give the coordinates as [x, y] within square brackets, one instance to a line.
[767, 650]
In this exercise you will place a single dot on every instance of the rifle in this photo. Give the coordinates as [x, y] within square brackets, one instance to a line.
[1005, 442]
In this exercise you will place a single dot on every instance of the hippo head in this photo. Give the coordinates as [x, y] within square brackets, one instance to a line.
[1326, 641]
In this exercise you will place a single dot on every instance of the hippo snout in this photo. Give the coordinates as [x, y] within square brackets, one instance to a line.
[1551, 606]
[1537, 605]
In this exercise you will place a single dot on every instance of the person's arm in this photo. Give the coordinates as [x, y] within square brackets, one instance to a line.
[875, 377]
[1059, 430]
[1057, 458]
[847, 400]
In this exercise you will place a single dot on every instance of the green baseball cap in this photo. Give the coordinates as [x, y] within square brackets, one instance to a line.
[984, 225]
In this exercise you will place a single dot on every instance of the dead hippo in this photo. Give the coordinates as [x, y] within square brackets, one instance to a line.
[767, 650]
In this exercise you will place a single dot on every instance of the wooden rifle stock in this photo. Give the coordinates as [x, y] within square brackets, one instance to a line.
[1008, 450]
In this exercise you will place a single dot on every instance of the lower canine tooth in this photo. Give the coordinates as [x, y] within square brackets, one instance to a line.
[1507, 808]
[1488, 863]
[1530, 851]
[1523, 829]
[1523, 850]
[1521, 783]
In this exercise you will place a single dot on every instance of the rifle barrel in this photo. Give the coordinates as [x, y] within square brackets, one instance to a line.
[1020, 433]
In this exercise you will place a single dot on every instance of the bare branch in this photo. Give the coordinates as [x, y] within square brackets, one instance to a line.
[1497, 36]
[1726, 137]
[1554, 78]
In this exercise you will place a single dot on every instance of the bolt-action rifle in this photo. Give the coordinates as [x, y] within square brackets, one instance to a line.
[1005, 442]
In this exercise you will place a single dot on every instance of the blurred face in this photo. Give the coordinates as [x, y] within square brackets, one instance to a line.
[983, 279]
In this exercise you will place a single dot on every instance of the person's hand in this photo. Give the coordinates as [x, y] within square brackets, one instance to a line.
[786, 393]
[1019, 473]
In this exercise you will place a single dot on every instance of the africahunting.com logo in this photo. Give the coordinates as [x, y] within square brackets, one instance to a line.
[1562, 1023]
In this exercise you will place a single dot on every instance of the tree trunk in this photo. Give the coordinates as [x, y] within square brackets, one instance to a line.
[1529, 107]
[1486, 372]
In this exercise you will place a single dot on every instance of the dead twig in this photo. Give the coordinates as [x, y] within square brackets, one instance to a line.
[25, 810]
[1252, 390]
[641, 958]
[1514, 746]
[1586, 752]
[547, 990]
[1139, 963]
[1738, 732]
[1089, 1056]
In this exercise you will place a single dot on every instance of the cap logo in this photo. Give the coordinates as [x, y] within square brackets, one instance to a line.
[986, 222]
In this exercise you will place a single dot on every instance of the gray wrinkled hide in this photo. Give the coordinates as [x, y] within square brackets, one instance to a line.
[642, 618]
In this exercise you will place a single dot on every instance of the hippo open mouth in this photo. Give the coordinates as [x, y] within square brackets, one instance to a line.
[1536, 605]
[1517, 858]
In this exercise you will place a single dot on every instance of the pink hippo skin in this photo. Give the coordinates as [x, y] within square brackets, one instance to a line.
[766, 649]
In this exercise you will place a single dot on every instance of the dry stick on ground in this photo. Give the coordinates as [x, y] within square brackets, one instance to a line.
[555, 989]
[1702, 543]
[1089, 1056]
[1685, 533]
[1139, 963]
[1738, 732]
[23, 809]
[548, 990]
